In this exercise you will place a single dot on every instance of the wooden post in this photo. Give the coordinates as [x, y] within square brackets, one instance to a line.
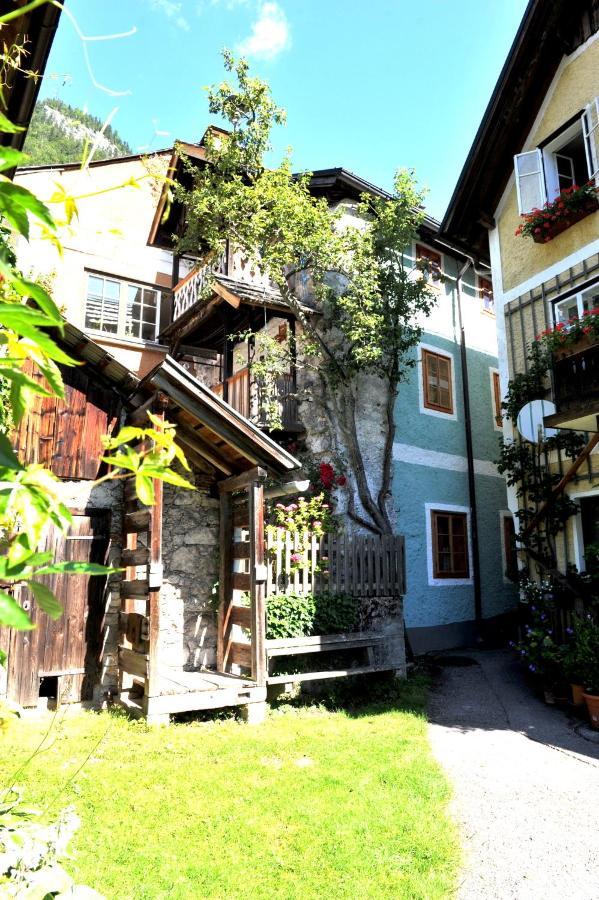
[154, 586]
[257, 581]
[225, 579]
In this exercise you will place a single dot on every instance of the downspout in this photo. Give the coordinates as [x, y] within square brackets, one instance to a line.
[476, 579]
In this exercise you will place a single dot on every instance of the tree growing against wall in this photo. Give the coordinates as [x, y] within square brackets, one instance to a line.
[369, 298]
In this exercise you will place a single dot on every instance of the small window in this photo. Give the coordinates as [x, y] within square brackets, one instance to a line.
[450, 544]
[430, 260]
[436, 375]
[485, 287]
[509, 548]
[497, 400]
[122, 308]
[576, 305]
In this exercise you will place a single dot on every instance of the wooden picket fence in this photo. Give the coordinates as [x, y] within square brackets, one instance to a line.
[358, 565]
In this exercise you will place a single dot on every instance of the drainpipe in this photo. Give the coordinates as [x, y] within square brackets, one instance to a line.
[478, 616]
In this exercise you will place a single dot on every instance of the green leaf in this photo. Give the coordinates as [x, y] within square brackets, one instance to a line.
[17, 204]
[144, 487]
[126, 434]
[77, 568]
[17, 315]
[11, 158]
[12, 615]
[8, 457]
[45, 599]
[7, 126]
[3, 657]
[22, 387]
[166, 475]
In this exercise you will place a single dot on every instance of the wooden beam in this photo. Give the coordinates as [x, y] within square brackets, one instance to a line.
[225, 576]
[558, 489]
[238, 482]
[257, 583]
[227, 295]
[155, 586]
[199, 446]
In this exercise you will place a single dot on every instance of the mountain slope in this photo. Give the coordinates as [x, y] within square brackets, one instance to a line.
[59, 133]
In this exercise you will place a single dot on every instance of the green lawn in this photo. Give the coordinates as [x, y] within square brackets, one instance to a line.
[312, 804]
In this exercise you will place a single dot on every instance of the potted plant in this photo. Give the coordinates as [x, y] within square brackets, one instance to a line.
[573, 336]
[572, 205]
[585, 655]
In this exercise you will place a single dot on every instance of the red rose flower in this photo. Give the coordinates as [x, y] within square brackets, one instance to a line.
[341, 480]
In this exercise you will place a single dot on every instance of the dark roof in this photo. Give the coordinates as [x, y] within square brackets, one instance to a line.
[37, 28]
[549, 29]
[212, 428]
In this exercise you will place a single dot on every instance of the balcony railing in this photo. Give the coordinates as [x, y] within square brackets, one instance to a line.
[576, 378]
[191, 288]
[244, 395]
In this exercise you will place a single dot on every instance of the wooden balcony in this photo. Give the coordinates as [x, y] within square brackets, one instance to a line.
[244, 394]
[576, 388]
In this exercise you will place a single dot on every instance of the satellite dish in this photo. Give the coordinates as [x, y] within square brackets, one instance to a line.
[530, 420]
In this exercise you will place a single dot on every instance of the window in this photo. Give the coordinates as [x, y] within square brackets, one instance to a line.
[431, 261]
[450, 544]
[496, 399]
[569, 158]
[122, 308]
[576, 305]
[509, 548]
[436, 378]
[485, 288]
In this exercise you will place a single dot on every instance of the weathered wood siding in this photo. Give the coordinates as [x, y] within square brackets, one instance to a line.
[66, 435]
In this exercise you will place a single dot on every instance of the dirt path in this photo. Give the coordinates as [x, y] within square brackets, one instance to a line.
[526, 785]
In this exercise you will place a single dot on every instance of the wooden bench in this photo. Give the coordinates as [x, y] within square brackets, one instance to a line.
[276, 647]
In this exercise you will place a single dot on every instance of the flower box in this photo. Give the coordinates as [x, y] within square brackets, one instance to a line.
[584, 342]
[555, 228]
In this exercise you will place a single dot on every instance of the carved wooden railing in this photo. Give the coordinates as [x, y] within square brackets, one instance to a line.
[233, 265]
[243, 394]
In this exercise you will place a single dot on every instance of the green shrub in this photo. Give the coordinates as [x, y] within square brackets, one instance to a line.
[298, 615]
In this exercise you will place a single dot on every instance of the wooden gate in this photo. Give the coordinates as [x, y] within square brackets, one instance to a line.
[67, 648]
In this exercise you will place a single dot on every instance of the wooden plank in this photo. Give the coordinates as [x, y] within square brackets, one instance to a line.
[137, 588]
[155, 585]
[136, 522]
[241, 615]
[241, 550]
[240, 654]
[301, 649]
[257, 586]
[134, 627]
[325, 641]
[241, 517]
[133, 662]
[195, 700]
[137, 557]
[327, 673]
[241, 581]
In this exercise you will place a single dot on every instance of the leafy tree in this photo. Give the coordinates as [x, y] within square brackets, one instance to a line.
[60, 133]
[369, 296]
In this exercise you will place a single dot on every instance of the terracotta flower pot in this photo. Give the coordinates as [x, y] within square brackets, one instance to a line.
[592, 702]
[577, 694]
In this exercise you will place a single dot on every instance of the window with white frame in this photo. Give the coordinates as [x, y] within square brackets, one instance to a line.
[576, 305]
[485, 289]
[122, 308]
[570, 158]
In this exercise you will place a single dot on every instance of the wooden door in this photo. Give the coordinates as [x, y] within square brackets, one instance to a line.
[70, 645]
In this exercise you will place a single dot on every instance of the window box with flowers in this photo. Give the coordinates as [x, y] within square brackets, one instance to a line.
[571, 205]
[579, 333]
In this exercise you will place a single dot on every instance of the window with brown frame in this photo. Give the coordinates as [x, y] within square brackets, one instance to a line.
[431, 259]
[485, 287]
[497, 400]
[436, 375]
[509, 548]
[450, 544]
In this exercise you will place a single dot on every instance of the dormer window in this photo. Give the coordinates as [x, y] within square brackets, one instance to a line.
[569, 158]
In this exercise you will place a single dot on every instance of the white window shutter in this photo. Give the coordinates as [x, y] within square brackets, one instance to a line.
[530, 181]
[590, 128]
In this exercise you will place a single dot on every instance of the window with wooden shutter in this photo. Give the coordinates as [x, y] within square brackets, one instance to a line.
[530, 180]
[509, 548]
[590, 129]
[497, 400]
[450, 544]
[431, 260]
[436, 374]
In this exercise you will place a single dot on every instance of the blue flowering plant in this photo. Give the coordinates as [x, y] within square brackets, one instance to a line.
[539, 648]
[581, 659]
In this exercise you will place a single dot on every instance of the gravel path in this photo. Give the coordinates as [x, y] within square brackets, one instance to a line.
[526, 785]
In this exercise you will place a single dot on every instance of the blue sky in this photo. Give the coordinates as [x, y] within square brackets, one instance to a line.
[371, 86]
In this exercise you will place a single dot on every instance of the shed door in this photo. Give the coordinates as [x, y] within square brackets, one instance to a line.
[71, 644]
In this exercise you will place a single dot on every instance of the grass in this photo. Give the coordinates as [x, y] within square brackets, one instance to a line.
[315, 803]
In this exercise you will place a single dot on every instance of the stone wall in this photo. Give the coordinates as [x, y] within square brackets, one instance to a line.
[190, 555]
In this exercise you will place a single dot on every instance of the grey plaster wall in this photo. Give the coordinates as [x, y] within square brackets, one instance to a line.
[190, 556]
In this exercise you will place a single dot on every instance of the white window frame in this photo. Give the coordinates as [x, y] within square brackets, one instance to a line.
[546, 170]
[578, 297]
[426, 410]
[451, 508]
[124, 285]
[487, 312]
[578, 538]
